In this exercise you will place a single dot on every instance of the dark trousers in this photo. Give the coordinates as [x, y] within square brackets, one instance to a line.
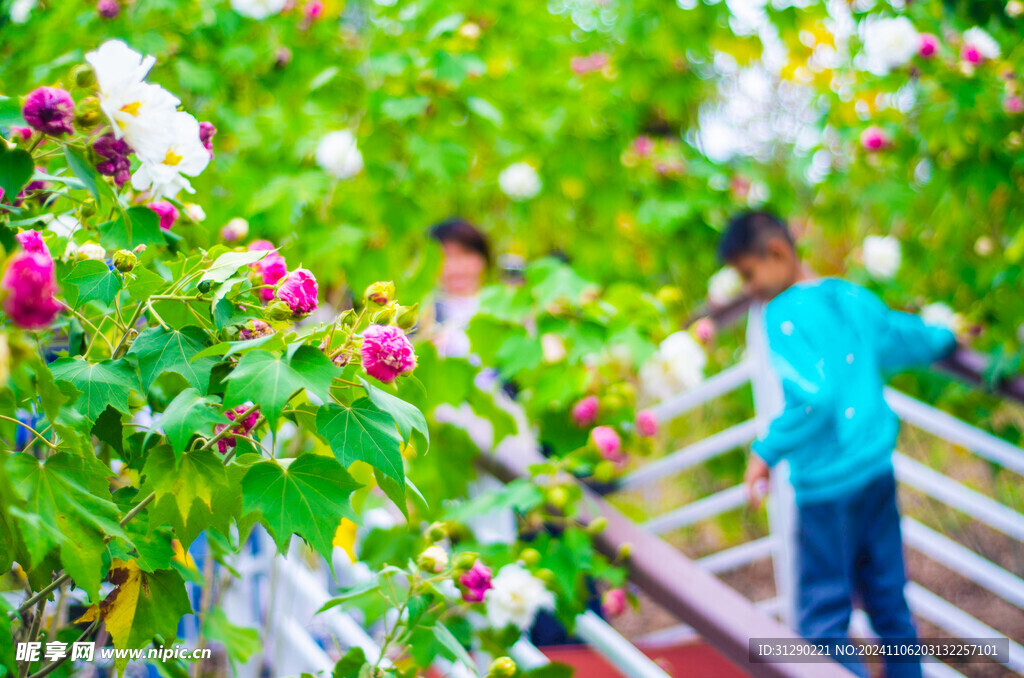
[850, 548]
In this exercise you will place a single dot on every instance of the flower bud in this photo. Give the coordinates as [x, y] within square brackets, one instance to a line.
[407, 316]
[465, 560]
[236, 229]
[279, 310]
[558, 497]
[597, 525]
[124, 260]
[83, 76]
[88, 113]
[433, 559]
[502, 667]
[530, 557]
[384, 316]
[88, 209]
[204, 286]
[624, 552]
[545, 575]
[436, 532]
[347, 319]
[380, 293]
[605, 471]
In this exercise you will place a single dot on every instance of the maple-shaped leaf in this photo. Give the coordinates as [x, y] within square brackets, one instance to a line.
[104, 383]
[308, 498]
[142, 605]
[67, 505]
[158, 350]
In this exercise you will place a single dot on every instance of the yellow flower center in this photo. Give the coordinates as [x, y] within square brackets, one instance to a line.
[132, 108]
[172, 158]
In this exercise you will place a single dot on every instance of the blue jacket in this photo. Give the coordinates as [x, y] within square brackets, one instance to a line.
[829, 342]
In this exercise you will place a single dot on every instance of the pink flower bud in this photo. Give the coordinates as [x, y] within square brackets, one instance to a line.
[613, 602]
[874, 139]
[117, 163]
[313, 10]
[206, 132]
[49, 110]
[929, 45]
[254, 330]
[386, 352]
[32, 241]
[608, 443]
[167, 212]
[647, 423]
[24, 133]
[299, 291]
[585, 411]
[704, 330]
[476, 581]
[971, 54]
[270, 268]
[29, 284]
[108, 9]
[236, 229]
[643, 145]
[229, 442]
[1013, 104]
[588, 64]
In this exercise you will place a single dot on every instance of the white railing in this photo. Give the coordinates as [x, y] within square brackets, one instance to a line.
[778, 545]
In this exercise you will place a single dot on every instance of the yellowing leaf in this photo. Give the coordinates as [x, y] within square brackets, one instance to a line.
[345, 537]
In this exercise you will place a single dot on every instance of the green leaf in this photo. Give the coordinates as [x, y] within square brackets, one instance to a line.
[227, 264]
[85, 172]
[15, 171]
[94, 280]
[137, 226]
[452, 644]
[486, 110]
[309, 499]
[348, 666]
[104, 383]
[355, 592]
[158, 350]
[184, 486]
[239, 642]
[406, 415]
[401, 109]
[67, 505]
[264, 379]
[142, 282]
[363, 433]
[188, 414]
[316, 369]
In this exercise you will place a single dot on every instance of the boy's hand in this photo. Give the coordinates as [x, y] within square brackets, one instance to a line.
[756, 479]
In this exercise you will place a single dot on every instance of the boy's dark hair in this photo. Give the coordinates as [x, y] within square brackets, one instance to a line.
[749, 233]
[461, 231]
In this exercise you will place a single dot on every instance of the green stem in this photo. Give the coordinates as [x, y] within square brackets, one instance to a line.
[31, 430]
[67, 655]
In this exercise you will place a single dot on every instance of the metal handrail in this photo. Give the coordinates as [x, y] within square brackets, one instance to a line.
[721, 615]
[965, 363]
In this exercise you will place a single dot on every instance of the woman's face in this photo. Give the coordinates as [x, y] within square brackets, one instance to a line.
[462, 271]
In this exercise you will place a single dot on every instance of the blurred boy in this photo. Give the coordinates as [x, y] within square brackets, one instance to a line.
[829, 342]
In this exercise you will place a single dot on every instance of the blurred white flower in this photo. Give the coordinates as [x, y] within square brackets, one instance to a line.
[338, 155]
[64, 225]
[889, 43]
[183, 154]
[724, 286]
[552, 347]
[258, 9]
[138, 111]
[519, 181]
[195, 212]
[516, 598]
[941, 315]
[984, 246]
[882, 256]
[85, 251]
[677, 365]
[21, 10]
[236, 229]
[981, 41]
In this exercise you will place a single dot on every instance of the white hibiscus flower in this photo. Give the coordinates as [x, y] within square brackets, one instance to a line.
[980, 40]
[338, 155]
[724, 286]
[163, 172]
[882, 256]
[516, 598]
[678, 365]
[138, 111]
[519, 181]
[890, 43]
[258, 9]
